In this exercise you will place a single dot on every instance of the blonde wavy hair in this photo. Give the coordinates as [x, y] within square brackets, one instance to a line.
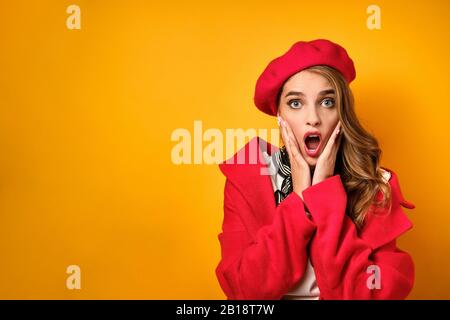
[358, 156]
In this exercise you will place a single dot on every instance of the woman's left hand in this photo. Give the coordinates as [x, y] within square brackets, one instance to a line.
[325, 164]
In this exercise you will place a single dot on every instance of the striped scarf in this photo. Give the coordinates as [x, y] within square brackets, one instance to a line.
[284, 169]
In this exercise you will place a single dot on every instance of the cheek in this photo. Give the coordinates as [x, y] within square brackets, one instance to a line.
[330, 115]
[330, 123]
[298, 136]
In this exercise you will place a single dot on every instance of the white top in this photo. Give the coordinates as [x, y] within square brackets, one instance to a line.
[306, 288]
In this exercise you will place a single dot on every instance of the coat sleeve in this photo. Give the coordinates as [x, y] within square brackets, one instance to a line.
[267, 265]
[348, 266]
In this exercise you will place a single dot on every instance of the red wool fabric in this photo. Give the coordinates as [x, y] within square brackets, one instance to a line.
[264, 247]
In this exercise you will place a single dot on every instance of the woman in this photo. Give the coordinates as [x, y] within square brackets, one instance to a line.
[319, 217]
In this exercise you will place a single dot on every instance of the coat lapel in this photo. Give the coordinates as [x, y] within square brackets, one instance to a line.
[248, 171]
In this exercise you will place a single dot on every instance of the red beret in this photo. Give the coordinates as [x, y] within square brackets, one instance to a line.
[301, 55]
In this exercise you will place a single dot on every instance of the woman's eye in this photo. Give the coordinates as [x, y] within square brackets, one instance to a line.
[328, 102]
[294, 104]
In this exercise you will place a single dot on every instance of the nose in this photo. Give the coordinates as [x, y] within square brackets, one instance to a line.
[312, 118]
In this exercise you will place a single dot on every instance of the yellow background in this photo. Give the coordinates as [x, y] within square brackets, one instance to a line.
[86, 115]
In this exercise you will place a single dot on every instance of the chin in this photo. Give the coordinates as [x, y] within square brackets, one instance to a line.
[311, 161]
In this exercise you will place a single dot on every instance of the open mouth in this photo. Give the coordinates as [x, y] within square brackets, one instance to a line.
[312, 143]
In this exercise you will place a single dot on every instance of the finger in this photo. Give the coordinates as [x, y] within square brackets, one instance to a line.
[338, 138]
[338, 142]
[284, 135]
[293, 152]
[331, 141]
[288, 141]
[290, 134]
[295, 149]
[336, 134]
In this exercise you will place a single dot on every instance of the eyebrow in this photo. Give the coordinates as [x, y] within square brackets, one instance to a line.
[298, 93]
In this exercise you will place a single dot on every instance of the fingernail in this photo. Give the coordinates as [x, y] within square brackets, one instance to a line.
[279, 120]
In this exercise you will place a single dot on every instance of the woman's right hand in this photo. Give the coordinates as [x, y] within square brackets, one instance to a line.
[300, 172]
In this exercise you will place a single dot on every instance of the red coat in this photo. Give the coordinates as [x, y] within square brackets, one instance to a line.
[264, 247]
